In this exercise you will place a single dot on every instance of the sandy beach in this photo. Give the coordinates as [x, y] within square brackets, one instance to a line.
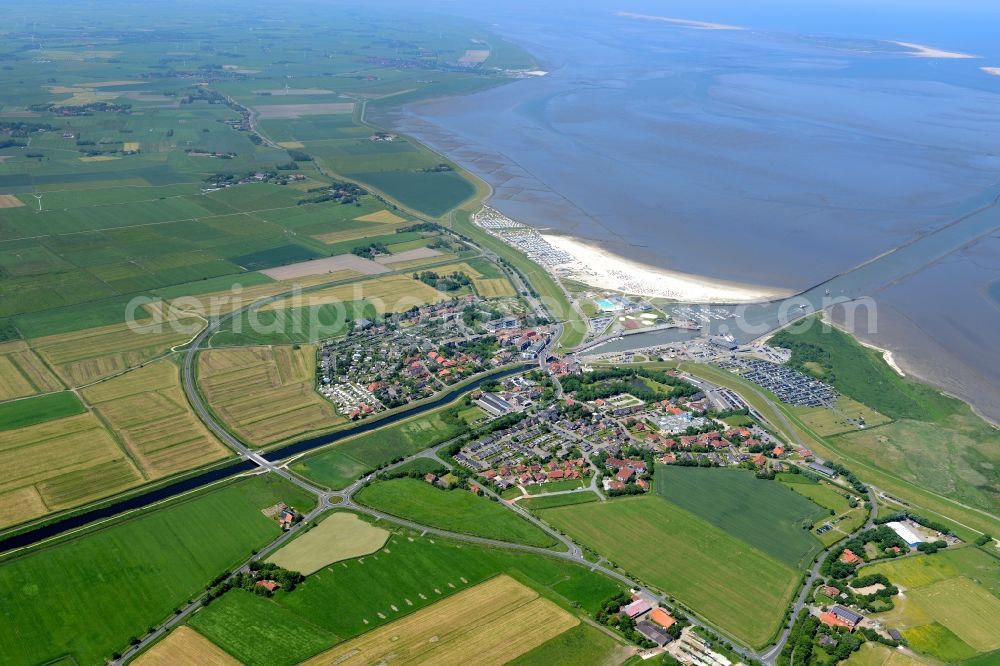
[921, 51]
[602, 269]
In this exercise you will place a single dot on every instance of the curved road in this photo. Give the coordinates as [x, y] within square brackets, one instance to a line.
[343, 499]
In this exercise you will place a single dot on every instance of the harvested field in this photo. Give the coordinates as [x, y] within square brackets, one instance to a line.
[333, 237]
[491, 623]
[474, 57]
[21, 505]
[131, 146]
[185, 647]
[266, 394]
[10, 201]
[382, 216]
[291, 144]
[494, 288]
[22, 372]
[409, 255]
[272, 111]
[100, 158]
[222, 302]
[148, 411]
[84, 356]
[341, 262]
[342, 536]
[68, 461]
[392, 293]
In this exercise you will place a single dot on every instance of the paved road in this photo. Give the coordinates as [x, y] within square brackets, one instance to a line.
[344, 499]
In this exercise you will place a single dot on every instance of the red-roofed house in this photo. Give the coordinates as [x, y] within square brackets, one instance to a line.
[269, 585]
[848, 557]
[662, 618]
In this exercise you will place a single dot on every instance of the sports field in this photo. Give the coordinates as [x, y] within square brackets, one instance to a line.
[147, 410]
[951, 602]
[266, 394]
[732, 584]
[133, 574]
[184, 646]
[764, 514]
[341, 536]
[491, 623]
[454, 510]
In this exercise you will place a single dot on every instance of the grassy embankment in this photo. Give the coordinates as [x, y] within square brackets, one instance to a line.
[967, 520]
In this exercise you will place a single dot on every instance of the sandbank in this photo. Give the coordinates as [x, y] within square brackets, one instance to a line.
[687, 23]
[921, 51]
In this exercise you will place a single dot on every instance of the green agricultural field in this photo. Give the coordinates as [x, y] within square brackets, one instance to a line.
[583, 645]
[431, 193]
[557, 486]
[551, 501]
[29, 411]
[765, 514]
[422, 570]
[823, 494]
[454, 510]
[132, 574]
[735, 586]
[937, 641]
[343, 464]
[260, 632]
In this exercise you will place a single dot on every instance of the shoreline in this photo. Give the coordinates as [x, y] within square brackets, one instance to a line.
[603, 269]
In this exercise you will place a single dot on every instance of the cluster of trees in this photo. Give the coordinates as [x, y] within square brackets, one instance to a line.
[342, 192]
[931, 547]
[299, 156]
[19, 129]
[419, 226]
[438, 168]
[453, 282]
[88, 109]
[877, 601]
[983, 539]
[400, 473]
[248, 581]
[855, 482]
[371, 250]
[604, 383]
[883, 537]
